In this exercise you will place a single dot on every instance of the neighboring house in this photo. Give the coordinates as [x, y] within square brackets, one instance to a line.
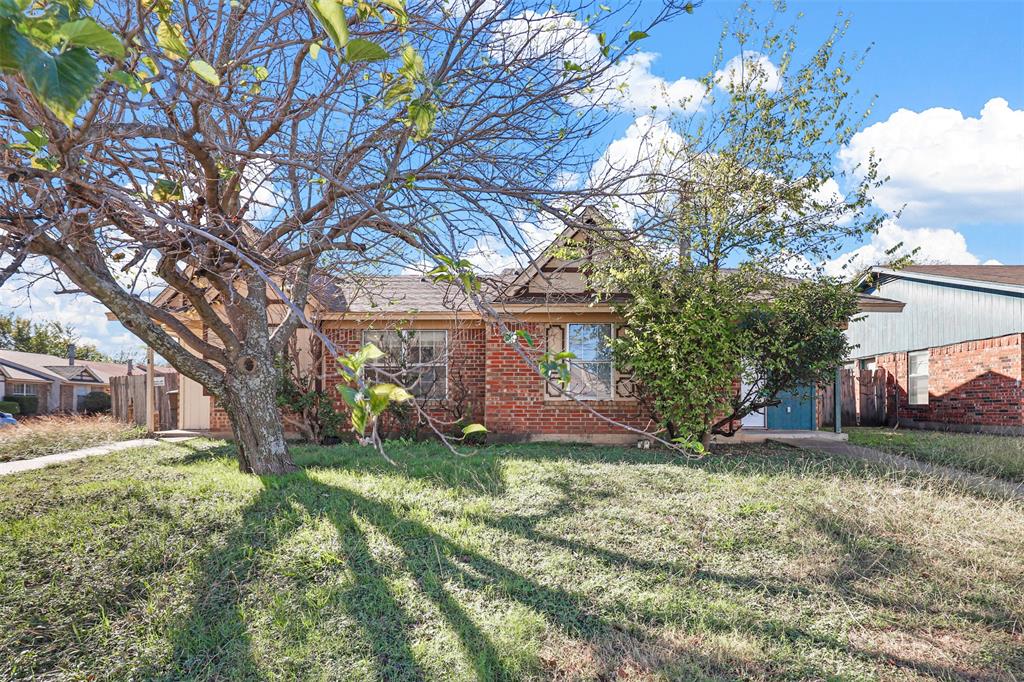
[461, 366]
[60, 383]
[955, 353]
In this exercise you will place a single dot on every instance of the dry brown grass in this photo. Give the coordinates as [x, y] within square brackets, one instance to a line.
[51, 434]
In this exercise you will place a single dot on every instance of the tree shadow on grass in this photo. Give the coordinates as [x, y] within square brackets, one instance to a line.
[213, 639]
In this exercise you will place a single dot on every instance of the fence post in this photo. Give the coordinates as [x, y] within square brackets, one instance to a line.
[837, 400]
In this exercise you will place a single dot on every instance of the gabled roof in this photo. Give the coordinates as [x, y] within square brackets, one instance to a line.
[39, 367]
[1008, 278]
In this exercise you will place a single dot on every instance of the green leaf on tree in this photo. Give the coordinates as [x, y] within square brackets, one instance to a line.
[636, 35]
[359, 50]
[61, 82]
[87, 33]
[165, 189]
[171, 40]
[474, 428]
[205, 71]
[331, 15]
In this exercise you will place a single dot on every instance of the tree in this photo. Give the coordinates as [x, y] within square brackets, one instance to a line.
[234, 151]
[48, 338]
[726, 218]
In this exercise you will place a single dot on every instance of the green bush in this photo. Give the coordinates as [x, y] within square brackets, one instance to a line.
[96, 401]
[27, 404]
[10, 407]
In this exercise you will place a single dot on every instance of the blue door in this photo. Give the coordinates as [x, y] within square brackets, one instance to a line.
[796, 411]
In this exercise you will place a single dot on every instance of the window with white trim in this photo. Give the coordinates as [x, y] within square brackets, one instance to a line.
[917, 377]
[415, 358]
[590, 371]
[22, 389]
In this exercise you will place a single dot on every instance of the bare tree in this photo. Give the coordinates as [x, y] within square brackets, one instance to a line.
[232, 149]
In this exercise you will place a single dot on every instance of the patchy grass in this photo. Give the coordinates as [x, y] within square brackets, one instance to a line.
[1001, 456]
[50, 434]
[519, 563]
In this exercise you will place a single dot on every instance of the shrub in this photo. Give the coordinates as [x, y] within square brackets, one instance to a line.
[27, 404]
[10, 407]
[96, 401]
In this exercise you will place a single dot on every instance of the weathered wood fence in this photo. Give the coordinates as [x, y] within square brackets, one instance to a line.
[867, 398]
[128, 400]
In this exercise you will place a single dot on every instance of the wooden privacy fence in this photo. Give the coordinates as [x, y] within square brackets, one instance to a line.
[128, 400]
[867, 398]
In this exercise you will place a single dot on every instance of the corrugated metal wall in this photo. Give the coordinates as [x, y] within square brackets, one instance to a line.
[935, 315]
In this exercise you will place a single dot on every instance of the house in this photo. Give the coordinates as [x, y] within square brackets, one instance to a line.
[955, 354]
[59, 383]
[461, 366]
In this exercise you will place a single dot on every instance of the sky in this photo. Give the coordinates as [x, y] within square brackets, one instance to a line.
[947, 122]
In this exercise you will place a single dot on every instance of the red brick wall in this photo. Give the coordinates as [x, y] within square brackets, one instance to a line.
[516, 404]
[974, 382]
[465, 401]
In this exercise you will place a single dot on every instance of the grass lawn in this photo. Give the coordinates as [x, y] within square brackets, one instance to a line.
[49, 435]
[522, 562]
[1001, 456]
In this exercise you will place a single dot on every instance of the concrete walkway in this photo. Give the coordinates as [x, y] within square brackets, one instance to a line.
[985, 484]
[7, 468]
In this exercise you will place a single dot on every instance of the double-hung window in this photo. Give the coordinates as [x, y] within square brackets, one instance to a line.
[917, 377]
[23, 389]
[590, 371]
[415, 358]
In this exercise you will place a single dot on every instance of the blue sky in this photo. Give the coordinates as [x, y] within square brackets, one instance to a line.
[924, 55]
[960, 172]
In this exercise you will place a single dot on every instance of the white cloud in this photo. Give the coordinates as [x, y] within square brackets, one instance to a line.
[42, 303]
[647, 149]
[937, 245]
[946, 167]
[627, 85]
[749, 70]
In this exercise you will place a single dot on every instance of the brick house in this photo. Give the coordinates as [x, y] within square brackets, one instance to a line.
[461, 367]
[956, 354]
[59, 383]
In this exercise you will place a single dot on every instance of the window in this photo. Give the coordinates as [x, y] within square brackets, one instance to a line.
[23, 389]
[868, 364]
[590, 372]
[417, 359]
[917, 377]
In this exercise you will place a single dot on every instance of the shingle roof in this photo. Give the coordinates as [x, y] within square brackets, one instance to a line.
[999, 274]
[399, 293]
[51, 367]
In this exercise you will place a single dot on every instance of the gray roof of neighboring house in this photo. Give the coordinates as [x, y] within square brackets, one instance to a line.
[39, 367]
[998, 274]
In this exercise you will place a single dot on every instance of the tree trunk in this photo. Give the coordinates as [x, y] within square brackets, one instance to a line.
[250, 399]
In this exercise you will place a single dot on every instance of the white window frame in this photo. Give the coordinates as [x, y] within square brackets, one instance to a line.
[21, 386]
[865, 364]
[609, 362]
[914, 379]
[383, 363]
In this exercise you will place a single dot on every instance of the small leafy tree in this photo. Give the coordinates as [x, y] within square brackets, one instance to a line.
[719, 232]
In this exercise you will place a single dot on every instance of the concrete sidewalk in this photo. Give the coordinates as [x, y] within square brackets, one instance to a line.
[7, 468]
[985, 484]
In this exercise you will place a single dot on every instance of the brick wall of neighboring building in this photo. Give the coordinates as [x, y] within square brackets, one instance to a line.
[969, 383]
[518, 407]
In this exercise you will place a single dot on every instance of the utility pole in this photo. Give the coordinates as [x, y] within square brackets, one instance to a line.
[150, 392]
